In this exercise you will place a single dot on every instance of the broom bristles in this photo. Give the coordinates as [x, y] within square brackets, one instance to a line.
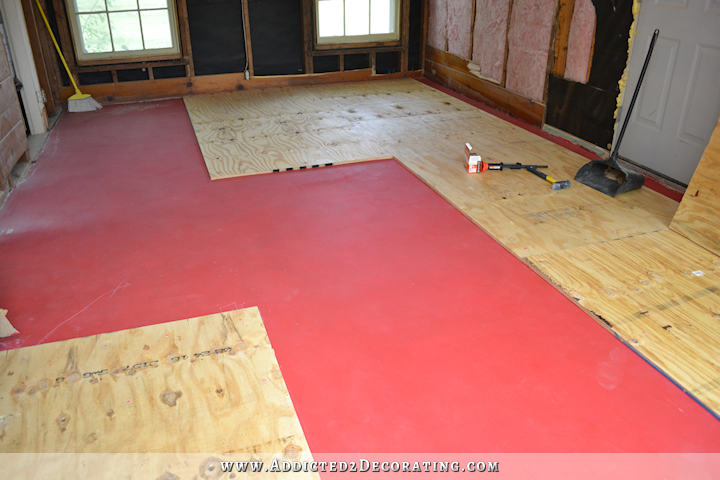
[83, 105]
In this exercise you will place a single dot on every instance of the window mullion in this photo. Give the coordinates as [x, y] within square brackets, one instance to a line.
[112, 41]
[142, 32]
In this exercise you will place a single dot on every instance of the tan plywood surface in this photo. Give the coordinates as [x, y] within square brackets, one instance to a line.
[661, 294]
[582, 240]
[204, 385]
[698, 217]
[260, 131]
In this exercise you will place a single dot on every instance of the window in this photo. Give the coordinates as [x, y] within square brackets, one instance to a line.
[115, 29]
[344, 21]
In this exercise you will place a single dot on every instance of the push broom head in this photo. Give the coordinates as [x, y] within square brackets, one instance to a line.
[82, 102]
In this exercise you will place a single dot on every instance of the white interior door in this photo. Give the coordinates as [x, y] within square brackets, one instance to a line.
[679, 103]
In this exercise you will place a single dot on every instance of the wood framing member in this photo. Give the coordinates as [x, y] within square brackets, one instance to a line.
[503, 82]
[177, 87]
[404, 34]
[248, 42]
[562, 33]
[454, 61]
[308, 29]
[482, 90]
[184, 26]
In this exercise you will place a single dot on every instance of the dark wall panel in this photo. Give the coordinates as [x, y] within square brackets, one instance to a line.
[357, 61]
[415, 34]
[586, 111]
[387, 62]
[216, 36]
[326, 64]
[276, 36]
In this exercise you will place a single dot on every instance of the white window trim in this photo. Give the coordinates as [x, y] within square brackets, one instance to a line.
[381, 37]
[81, 56]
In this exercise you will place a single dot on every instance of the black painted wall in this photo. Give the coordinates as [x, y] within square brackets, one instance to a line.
[586, 111]
[415, 35]
[276, 36]
[216, 36]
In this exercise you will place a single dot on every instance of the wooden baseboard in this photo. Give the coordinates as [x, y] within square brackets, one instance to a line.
[177, 87]
[482, 90]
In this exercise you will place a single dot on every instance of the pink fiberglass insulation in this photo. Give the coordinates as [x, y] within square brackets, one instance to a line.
[459, 26]
[437, 24]
[490, 37]
[580, 41]
[529, 46]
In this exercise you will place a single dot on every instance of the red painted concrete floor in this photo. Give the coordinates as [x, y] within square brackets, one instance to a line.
[398, 324]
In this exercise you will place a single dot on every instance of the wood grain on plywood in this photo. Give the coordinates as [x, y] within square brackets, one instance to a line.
[425, 130]
[660, 293]
[698, 217]
[251, 132]
[207, 384]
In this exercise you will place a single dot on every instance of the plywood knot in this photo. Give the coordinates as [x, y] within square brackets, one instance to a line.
[168, 476]
[210, 468]
[169, 398]
[62, 421]
[292, 452]
[18, 390]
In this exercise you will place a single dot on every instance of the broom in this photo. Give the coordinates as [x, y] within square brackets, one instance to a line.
[80, 102]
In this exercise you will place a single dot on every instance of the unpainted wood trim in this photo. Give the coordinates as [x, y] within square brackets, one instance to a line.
[185, 43]
[352, 51]
[205, 84]
[126, 66]
[562, 34]
[424, 33]
[551, 60]
[308, 35]
[453, 61]
[503, 81]
[112, 62]
[248, 41]
[344, 46]
[404, 34]
[489, 93]
[66, 44]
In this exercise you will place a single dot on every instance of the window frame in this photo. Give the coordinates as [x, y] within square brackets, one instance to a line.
[360, 41]
[114, 58]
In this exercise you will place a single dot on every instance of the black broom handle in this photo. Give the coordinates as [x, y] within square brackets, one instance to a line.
[637, 90]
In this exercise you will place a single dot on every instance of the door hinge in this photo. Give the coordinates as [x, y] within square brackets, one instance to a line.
[41, 97]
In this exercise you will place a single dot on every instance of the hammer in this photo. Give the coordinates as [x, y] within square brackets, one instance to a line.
[556, 185]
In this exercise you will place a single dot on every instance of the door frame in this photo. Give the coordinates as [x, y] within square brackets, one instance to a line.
[22, 56]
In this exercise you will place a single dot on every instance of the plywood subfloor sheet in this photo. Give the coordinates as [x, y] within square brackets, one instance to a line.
[207, 385]
[698, 217]
[661, 294]
[259, 131]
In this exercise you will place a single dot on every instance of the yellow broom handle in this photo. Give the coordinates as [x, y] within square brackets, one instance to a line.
[57, 47]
